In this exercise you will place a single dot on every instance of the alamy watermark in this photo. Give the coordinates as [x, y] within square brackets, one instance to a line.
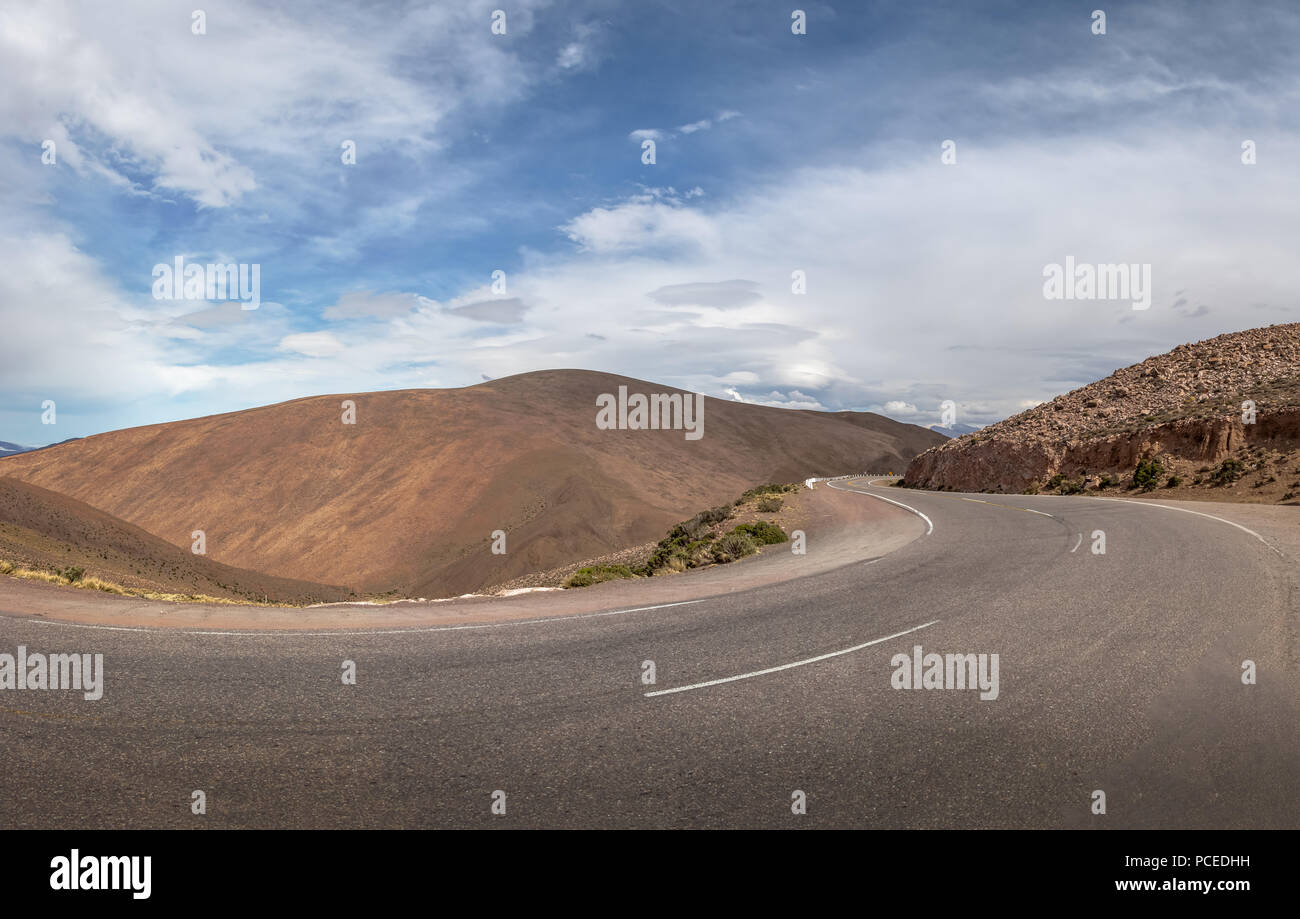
[655, 412]
[1083, 281]
[946, 671]
[24, 671]
[103, 872]
[179, 281]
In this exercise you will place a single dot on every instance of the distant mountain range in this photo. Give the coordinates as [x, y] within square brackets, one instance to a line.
[954, 430]
[8, 449]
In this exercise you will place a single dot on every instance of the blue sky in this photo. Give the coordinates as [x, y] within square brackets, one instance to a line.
[521, 152]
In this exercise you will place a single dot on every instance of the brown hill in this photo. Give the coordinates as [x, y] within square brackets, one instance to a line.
[916, 438]
[406, 499]
[45, 531]
[1183, 409]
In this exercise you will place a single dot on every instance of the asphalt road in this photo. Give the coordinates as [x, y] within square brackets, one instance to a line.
[1118, 672]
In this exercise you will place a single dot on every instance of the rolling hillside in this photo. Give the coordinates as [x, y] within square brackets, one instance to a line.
[45, 531]
[406, 499]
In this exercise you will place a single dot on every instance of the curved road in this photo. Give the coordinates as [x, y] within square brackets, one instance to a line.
[1118, 672]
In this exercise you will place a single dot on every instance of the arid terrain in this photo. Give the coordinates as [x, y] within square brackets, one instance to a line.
[403, 502]
[46, 532]
[1185, 415]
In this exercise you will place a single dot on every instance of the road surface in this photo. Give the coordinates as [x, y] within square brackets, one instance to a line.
[1118, 672]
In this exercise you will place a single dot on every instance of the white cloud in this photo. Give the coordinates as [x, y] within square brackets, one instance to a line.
[924, 285]
[791, 400]
[584, 52]
[639, 227]
[571, 56]
[312, 344]
[721, 294]
[366, 304]
[924, 280]
[161, 96]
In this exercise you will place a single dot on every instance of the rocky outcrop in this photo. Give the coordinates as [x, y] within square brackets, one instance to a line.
[1184, 408]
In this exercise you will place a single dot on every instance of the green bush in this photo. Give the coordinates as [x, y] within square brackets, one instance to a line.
[1063, 485]
[690, 544]
[733, 546]
[72, 574]
[665, 555]
[686, 545]
[596, 574]
[763, 533]
[1228, 472]
[698, 553]
[691, 529]
[1147, 475]
[711, 516]
[1174, 482]
[761, 490]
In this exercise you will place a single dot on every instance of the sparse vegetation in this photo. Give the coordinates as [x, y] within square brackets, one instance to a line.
[686, 545]
[763, 490]
[1063, 486]
[1147, 475]
[1228, 472]
[596, 574]
[763, 533]
[73, 576]
[698, 542]
[732, 546]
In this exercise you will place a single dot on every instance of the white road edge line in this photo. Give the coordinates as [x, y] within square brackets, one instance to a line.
[928, 522]
[1014, 507]
[165, 630]
[803, 663]
[1170, 507]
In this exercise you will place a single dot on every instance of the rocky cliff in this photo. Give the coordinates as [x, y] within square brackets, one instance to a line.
[1232, 400]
